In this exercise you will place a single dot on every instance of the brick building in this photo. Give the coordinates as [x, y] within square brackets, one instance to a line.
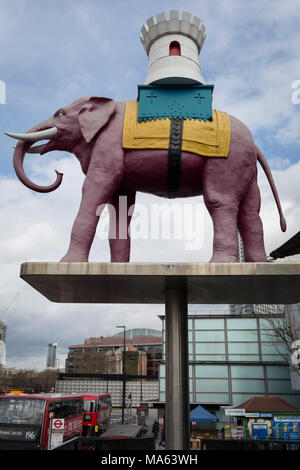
[105, 354]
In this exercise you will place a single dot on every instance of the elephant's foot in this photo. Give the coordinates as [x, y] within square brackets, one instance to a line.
[223, 258]
[74, 258]
[256, 258]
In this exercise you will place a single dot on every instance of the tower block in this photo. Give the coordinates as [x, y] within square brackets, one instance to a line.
[173, 46]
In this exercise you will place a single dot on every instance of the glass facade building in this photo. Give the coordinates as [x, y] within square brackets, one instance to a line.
[233, 358]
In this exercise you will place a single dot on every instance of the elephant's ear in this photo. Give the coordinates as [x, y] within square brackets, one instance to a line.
[95, 115]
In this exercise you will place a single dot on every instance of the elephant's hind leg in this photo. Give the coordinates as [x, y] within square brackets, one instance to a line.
[224, 218]
[250, 225]
[222, 206]
[119, 222]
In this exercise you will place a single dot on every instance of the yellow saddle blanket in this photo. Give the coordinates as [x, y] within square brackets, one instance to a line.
[207, 138]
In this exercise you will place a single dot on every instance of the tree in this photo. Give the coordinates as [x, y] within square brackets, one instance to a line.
[286, 334]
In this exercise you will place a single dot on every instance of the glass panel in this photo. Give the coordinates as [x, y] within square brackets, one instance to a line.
[212, 357]
[250, 335]
[162, 397]
[243, 348]
[272, 358]
[212, 398]
[216, 385]
[241, 324]
[255, 386]
[162, 385]
[238, 399]
[278, 372]
[294, 399]
[279, 386]
[269, 348]
[209, 324]
[209, 336]
[190, 336]
[210, 348]
[246, 357]
[162, 370]
[266, 335]
[190, 324]
[245, 372]
[267, 324]
[211, 371]
[190, 347]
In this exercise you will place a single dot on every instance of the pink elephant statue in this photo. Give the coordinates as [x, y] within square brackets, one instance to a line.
[91, 129]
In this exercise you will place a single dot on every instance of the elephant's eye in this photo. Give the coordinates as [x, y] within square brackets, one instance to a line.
[59, 113]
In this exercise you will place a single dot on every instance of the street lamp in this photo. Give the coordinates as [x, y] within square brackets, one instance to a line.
[124, 374]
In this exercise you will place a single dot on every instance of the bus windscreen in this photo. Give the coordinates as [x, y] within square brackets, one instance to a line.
[21, 411]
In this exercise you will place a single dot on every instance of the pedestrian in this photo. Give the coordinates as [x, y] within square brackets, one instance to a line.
[163, 439]
[144, 429]
[155, 429]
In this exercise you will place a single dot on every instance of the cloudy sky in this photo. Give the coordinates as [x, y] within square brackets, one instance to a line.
[55, 52]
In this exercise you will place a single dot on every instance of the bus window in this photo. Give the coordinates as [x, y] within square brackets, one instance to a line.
[90, 406]
[21, 411]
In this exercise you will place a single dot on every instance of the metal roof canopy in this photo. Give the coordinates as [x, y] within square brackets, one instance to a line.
[175, 285]
[205, 283]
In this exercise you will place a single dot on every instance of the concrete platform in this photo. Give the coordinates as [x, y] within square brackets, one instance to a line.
[205, 283]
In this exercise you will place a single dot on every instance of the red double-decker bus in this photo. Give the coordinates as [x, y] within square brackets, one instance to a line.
[41, 421]
[97, 411]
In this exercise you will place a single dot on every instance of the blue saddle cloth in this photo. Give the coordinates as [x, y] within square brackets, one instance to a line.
[171, 101]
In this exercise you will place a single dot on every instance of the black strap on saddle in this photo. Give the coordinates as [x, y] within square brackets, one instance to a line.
[174, 158]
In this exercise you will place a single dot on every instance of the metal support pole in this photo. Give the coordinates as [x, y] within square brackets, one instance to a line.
[124, 372]
[124, 379]
[177, 418]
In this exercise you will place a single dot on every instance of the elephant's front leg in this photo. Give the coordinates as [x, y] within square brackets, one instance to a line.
[120, 207]
[96, 191]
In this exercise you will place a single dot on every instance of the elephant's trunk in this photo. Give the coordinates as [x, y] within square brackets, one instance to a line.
[19, 155]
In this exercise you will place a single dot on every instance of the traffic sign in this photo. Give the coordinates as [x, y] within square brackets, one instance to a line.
[58, 424]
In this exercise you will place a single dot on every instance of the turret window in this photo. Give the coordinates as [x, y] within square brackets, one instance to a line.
[174, 48]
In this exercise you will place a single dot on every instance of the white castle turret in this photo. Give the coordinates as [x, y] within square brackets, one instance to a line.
[173, 47]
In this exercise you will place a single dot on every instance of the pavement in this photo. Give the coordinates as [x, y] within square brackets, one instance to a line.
[152, 416]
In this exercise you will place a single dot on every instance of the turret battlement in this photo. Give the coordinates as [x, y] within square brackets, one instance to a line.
[186, 25]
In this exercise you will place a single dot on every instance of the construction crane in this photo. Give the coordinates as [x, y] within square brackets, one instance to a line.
[9, 305]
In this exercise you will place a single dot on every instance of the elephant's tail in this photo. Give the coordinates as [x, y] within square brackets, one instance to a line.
[262, 160]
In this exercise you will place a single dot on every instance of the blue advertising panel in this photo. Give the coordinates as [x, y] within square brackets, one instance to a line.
[259, 430]
[286, 427]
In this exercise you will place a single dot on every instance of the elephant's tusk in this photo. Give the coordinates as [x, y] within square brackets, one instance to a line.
[36, 149]
[34, 136]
